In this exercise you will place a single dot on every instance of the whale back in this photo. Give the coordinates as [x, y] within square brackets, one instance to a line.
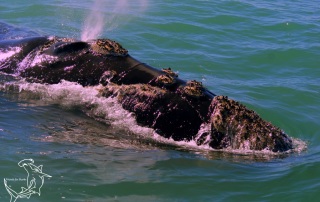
[177, 109]
[67, 48]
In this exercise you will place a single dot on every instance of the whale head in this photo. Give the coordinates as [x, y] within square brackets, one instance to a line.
[236, 127]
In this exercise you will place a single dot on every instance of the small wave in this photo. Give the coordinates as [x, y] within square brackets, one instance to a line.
[4, 54]
[36, 60]
[72, 95]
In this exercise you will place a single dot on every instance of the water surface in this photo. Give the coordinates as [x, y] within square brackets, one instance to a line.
[263, 54]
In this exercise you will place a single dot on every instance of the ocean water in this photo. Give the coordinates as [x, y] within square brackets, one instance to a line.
[264, 54]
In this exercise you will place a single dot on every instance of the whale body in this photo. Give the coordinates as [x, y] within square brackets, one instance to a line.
[159, 99]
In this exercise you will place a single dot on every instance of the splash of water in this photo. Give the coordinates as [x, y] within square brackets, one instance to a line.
[109, 14]
[71, 95]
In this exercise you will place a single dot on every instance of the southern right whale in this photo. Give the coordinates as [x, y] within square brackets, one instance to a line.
[174, 108]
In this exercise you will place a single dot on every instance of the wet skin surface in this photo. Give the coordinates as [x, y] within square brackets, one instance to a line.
[159, 99]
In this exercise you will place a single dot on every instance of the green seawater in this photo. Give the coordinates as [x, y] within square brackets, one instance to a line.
[265, 54]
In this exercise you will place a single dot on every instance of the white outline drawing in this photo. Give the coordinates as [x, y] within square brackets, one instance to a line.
[35, 175]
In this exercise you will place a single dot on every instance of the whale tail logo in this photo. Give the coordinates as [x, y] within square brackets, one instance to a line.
[35, 180]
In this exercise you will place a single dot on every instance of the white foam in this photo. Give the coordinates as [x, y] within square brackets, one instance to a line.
[4, 54]
[69, 68]
[43, 58]
[70, 94]
[31, 60]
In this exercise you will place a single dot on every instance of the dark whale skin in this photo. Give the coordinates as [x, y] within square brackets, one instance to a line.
[174, 108]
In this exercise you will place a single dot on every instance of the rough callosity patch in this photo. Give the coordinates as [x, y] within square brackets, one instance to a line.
[136, 90]
[165, 80]
[173, 116]
[107, 76]
[169, 71]
[165, 111]
[236, 126]
[108, 47]
[143, 100]
[193, 89]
